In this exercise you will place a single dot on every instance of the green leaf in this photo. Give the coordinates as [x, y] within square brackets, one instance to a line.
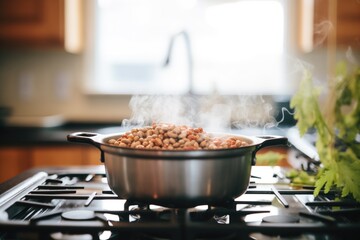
[341, 68]
[320, 183]
[305, 103]
[338, 149]
[349, 173]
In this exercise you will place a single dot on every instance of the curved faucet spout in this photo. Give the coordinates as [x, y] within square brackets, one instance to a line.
[186, 37]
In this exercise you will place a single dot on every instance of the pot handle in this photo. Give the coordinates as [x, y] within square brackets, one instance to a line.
[269, 140]
[84, 137]
[272, 140]
[87, 137]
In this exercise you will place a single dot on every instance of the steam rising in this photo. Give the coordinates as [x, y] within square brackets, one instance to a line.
[218, 113]
[213, 113]
[147, 109]
[321, 32]
[350, 57]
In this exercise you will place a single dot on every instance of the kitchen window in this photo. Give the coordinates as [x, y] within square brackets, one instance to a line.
[177, 47]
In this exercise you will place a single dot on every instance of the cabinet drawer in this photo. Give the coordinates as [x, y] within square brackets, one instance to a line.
[56, 156]
[13, 160]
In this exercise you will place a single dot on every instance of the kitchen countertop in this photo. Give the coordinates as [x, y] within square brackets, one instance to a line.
[28, 136]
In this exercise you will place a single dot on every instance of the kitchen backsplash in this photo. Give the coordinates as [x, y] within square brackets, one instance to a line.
[43, 83]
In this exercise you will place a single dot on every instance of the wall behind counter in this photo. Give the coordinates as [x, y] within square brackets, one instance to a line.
[48, 82]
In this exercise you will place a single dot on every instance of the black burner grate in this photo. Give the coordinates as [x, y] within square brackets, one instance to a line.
[49, 205]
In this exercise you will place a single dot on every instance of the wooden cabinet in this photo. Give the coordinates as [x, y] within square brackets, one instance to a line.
[14, 160]
[345, 17]
[41, 24]
[64, 156]
[348, 22]
[91, 156]
[56, 156]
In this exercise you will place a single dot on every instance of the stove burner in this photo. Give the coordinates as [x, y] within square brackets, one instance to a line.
[61, 236]
[78, 215]
[52, 209]
[281, 219]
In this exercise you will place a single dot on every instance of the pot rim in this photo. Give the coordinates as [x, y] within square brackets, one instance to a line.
[101, 142]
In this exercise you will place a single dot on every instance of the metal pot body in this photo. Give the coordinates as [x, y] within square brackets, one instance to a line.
[178, 182]
[177, 178]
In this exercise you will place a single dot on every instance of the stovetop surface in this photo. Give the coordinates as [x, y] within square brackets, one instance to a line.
[77, 203]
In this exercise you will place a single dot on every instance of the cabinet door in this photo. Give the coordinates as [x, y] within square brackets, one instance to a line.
[35, 22]
[41, 24]
[57, 156]
[347, 21]
[13, 160]
[91, 156]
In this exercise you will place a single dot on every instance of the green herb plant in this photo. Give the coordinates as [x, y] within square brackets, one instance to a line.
[337, 124]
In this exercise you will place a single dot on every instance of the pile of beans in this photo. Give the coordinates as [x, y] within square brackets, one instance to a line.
[173, 137]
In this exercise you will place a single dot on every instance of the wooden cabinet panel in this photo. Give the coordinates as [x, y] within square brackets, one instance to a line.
[91, 156]
[65, 156]
[56, 156]
[347, 21]
[41, 24]
[13, 160]
[34, 22]
[10, 12]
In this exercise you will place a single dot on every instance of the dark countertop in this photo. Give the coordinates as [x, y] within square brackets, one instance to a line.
[31, 136]
[35, 136]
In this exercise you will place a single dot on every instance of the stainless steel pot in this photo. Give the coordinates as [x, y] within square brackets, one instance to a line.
[177, 178]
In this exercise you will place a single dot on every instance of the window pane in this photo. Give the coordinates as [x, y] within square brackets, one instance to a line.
[236, 46]
[241, 50]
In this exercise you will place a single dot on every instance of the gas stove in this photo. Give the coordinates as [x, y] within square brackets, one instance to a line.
[76, 203]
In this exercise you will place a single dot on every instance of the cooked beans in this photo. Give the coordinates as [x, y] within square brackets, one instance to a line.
[173, 137]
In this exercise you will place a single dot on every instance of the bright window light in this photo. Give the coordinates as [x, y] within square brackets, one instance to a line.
[236, 47]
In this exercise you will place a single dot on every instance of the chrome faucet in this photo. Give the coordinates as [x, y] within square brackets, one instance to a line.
[186, 37]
